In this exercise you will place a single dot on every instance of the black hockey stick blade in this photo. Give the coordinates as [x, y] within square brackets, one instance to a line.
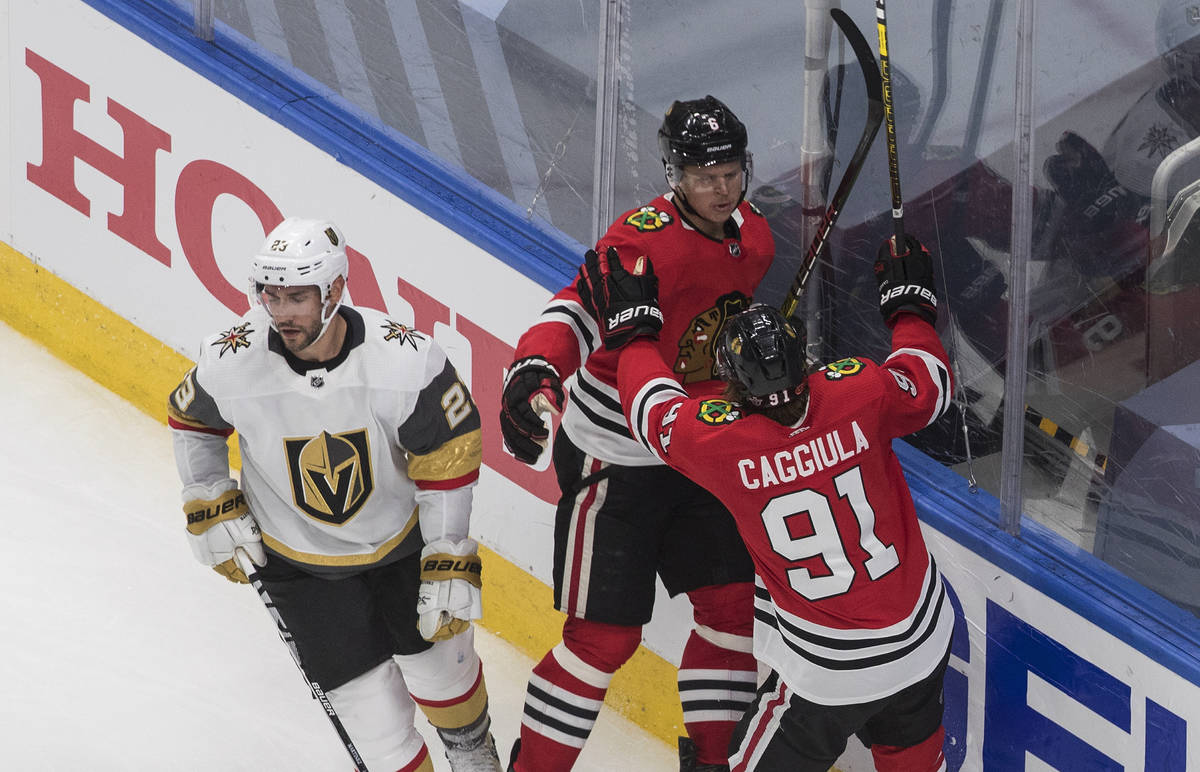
[875, 114]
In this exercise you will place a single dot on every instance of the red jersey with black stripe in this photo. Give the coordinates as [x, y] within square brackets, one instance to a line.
[702, 282]
[850, 606]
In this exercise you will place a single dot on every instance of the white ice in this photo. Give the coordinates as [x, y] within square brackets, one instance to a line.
[119, 652]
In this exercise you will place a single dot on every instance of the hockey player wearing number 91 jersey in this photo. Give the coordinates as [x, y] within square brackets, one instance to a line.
[360, 448]
[851, 615]
[625, 520]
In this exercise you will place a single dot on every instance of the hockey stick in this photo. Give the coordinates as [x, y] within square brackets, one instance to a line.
[247, 565]
[889, 113]
[875, 110]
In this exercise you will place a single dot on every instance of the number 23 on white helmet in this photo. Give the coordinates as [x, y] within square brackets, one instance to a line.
[301, 252]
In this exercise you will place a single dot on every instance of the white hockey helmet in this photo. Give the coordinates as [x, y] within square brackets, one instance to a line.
[300, 252]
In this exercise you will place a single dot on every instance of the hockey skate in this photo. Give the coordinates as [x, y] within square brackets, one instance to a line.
[472, 748]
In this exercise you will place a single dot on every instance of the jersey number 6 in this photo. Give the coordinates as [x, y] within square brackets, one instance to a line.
[825, 540]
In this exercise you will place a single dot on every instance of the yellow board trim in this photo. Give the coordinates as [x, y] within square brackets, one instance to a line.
[141, 369]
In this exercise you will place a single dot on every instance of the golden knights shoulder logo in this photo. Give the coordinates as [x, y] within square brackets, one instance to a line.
[649, 219]
[843, 368]
[718, 412]
[331, 474]
[401, 332]
[697, 359]
[233, 339]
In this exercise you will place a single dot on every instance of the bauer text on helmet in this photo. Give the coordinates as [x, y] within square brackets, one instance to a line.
[301, 252]
[701, 132]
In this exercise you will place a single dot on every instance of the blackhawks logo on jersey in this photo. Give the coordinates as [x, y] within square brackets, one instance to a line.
[331, 474]
[843, 368]
[233, 339]
[649, 219]
[696, 360]
[402, 333]
[718, 412]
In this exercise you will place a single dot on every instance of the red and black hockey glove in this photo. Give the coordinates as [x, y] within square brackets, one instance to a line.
[905, 281]
[525, 433]
[625, 304]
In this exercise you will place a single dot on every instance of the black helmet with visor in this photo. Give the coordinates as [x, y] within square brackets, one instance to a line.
[702, 132]
[763, 352]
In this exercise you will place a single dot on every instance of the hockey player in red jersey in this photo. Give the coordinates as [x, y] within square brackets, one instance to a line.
[360, 448]
[851, 614]
[623, 516]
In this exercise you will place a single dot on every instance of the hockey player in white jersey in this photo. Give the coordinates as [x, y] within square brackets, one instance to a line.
[360, 448]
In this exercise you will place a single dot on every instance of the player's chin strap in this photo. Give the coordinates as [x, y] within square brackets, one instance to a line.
[325, 318]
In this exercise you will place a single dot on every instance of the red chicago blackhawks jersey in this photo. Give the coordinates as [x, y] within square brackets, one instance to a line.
[702, 282]
[849, 604]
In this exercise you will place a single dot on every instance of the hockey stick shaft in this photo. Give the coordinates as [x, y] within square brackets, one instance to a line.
[875, 111]
[885, 69]
[247, 565]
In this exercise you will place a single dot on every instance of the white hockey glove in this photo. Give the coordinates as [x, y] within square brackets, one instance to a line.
[218, 522]
[449, 596]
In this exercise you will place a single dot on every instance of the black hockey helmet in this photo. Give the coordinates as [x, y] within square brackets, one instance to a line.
[763, 352]
[701, 132]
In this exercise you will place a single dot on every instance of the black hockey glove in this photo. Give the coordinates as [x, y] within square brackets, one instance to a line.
[1087, 185]
[625, 304]
[905, 281]
[1102, 220]
[525, 433]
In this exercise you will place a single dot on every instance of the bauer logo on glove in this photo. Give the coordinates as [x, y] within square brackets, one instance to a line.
[449, 567]
[218, 524]
[628, 314]
[207, 510]
[905, 281]
[627, 301]
[449, 596]
[912, 290]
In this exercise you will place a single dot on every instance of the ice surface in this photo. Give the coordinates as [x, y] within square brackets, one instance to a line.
[118, 651]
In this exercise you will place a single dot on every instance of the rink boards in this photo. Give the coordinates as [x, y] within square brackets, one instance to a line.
[143, 168]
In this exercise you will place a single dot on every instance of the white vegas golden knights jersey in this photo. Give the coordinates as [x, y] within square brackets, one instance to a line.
[336, 456]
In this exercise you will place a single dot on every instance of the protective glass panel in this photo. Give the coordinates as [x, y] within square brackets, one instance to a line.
[1115, 291]
[508, 92]
[953, 116]
[504, 91]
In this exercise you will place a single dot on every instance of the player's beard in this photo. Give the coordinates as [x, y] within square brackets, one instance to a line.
[307, 337]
